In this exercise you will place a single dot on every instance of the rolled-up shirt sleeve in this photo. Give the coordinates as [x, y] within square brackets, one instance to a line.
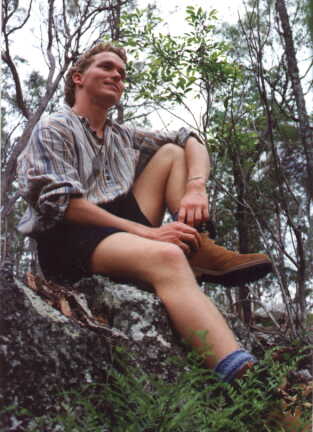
[47, 171]
[148, 142]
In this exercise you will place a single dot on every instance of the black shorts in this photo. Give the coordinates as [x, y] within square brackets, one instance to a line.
[64, 251]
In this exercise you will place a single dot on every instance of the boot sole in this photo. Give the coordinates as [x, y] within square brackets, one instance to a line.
[237, 276]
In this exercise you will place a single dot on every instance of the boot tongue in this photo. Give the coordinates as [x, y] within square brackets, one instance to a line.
[207, 227]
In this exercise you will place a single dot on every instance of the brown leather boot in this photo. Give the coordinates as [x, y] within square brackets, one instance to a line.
[216, 264]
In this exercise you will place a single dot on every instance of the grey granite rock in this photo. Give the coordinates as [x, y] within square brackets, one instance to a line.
[42, 351]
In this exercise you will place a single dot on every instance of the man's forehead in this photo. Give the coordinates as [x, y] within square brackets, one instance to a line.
[109, 56]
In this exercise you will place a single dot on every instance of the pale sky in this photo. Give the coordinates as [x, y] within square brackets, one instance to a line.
[227, 9]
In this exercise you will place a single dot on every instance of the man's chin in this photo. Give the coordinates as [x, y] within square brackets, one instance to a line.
[107, 101]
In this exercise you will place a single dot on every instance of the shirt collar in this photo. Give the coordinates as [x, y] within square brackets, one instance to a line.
[85, 121]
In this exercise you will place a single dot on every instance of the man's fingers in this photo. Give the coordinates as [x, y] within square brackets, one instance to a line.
[206, 213]
[183, 232]
[193, 216]
[185, 228]
[185, 247]
[189, 230]
[182, 214]
[192, 240]
[198, 216]
[190, 217]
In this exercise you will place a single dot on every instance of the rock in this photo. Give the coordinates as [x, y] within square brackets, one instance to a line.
[44, 351]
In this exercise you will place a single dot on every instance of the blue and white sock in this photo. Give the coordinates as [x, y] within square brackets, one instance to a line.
[232, 363]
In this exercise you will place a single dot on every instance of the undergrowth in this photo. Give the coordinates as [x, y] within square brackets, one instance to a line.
[197, 401]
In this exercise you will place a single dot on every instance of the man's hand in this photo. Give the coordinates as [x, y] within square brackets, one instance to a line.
[184, 236]
[194, 206]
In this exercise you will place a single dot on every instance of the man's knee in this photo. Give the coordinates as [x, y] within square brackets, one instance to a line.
[171, 254]
[171, 150]
[167, 260]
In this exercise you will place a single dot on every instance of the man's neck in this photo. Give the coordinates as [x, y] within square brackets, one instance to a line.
[95, 115]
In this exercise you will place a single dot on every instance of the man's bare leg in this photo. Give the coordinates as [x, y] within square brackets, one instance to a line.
[165, 266]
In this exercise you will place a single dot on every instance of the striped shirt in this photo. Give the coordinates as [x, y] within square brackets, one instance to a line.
[65, 158]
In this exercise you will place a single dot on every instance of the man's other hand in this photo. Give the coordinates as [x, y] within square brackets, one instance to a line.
[184, 236]
[194, 206]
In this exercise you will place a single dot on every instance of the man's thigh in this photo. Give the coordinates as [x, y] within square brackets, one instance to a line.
[130, 257]
[150, 187]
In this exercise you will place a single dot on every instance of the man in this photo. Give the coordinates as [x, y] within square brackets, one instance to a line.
[97, 192]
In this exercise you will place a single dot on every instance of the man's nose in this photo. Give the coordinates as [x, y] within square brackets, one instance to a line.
[116, 75]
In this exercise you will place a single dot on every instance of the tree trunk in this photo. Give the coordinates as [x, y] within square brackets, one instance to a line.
[304, 125]
[293, 71]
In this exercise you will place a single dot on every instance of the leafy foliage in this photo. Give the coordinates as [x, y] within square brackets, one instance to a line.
[133, 401]
[174, 67]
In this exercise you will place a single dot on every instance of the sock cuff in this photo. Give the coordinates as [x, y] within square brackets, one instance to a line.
[232, 363]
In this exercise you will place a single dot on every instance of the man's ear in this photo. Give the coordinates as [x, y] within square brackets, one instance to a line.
[77, 78]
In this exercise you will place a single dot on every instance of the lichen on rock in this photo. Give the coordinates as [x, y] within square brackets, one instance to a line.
[43, 352]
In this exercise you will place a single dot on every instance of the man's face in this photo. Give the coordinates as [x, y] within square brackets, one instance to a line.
[103, 80]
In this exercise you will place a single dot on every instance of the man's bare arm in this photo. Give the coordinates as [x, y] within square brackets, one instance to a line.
[194, 204]
[83, 211]
[198, 161]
